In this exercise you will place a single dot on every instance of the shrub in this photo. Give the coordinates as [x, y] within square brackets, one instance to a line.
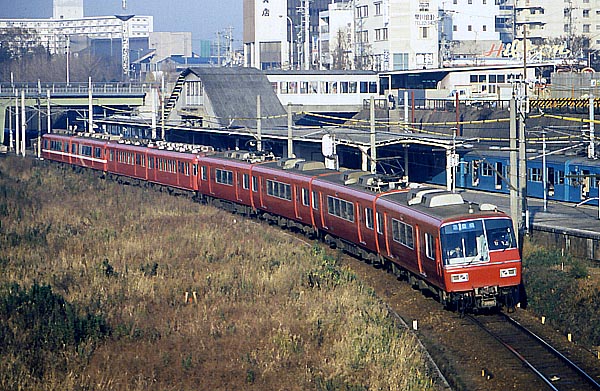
[38, 325]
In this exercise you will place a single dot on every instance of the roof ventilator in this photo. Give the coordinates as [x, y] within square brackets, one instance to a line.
[433, 200]
[415, 196]
[309, 166]
[350, 177]
[288, 163]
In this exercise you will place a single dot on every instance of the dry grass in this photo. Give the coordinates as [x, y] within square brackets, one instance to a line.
[264, 310]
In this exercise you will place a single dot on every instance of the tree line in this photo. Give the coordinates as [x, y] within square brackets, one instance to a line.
[24, 58]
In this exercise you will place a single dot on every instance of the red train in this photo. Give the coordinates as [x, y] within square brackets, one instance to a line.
[464, 253]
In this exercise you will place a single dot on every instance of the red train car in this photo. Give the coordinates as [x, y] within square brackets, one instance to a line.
[464, 253]
[80, 151]
[165, 167]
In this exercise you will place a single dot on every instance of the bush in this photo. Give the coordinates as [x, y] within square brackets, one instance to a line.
[37, 325]
[557, 287]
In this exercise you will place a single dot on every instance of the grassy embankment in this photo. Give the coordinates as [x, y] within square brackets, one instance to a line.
[93, 283]
[564, 290]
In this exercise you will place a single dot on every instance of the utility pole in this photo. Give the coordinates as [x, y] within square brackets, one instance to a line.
[23, 123]
[522, 142]
[513, 171]
[258, 125]
[591, 148]
[307, 35]
[372, 138]
[290, 142]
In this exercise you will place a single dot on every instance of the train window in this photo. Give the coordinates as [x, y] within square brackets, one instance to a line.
[344, 87]
[369, 218]
[85, 150]
[246, 181]
[203, 172]
[303, 87]
[402, 233]
[573, 179]
[151, 162]
[45, 144]
[111, 155]
[315, 200]
[352, 87]
[314, 87]
[97, 152]
[283, 87]
[138, 159]
[279, 190]
[486, 169]
[254, 184]
[380, 223]
[194, 169]
[305, 197]
[500, 234]
[340, 208]
[429, 246]
[535, 174]
[73, 148]
[224, 176]
[465, 242]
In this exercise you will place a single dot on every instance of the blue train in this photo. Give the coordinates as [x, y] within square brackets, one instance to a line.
[569, 178]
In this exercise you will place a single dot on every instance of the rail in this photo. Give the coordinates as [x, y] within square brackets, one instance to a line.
[539, 365]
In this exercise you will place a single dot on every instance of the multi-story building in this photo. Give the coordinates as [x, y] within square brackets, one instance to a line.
[68, 26]
[574, 22]
[282, 34]
[336, 37]
[396, 34]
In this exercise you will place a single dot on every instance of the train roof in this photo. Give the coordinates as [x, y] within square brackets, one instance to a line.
[435, 202]
[532, 155]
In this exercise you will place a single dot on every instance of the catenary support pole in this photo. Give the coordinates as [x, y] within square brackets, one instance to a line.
[515, 213]
[290, 142]
[372, 138]
[258, 125]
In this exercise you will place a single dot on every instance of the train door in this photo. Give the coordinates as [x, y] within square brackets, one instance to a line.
[498, 175]
[585, 184]
[550, 181]
[430, 258]
[573, 187]
[475, 172]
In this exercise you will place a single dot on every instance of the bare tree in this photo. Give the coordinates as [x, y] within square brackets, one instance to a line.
[341, 50]
[23, 56]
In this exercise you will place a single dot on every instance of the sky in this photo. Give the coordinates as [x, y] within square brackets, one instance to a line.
[202, 17]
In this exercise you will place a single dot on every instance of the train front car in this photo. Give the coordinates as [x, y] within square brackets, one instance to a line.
[481, 261]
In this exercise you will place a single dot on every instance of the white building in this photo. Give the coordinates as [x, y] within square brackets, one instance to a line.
[266, 27]
[55, 34]
[396, 34]
[471, 20]
[67, 9]
[68, 25]
[336, 37]
[551, 19]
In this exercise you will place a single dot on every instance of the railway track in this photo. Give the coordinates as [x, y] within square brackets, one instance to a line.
[552, 367]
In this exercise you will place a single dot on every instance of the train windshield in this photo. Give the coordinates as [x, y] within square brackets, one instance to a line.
[468, 242]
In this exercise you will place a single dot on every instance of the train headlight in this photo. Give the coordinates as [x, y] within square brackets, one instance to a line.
[463, 277]
[512, 272]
